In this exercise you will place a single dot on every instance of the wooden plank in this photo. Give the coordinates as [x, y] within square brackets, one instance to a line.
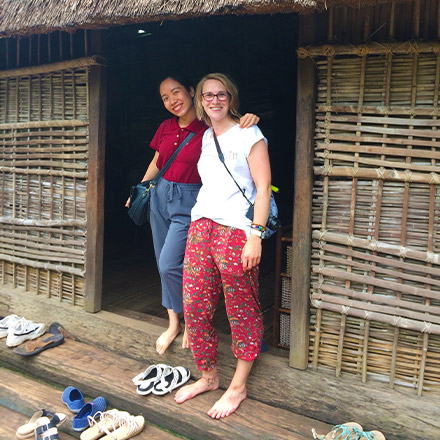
[97, 372]
[26, 395]
[302, 211]
[95, 190]
[399, 413]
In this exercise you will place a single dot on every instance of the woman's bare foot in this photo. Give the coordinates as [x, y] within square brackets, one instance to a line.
[207, 383]
[228, 403]
[185, 342]
[165, 339]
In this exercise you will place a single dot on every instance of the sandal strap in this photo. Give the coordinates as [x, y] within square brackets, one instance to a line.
[51, 437]
[366, 435]
[43, 428]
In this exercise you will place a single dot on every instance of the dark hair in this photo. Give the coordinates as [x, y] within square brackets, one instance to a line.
[180, 79]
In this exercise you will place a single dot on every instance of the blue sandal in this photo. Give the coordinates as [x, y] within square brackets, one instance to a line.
[73, 398]
[81, 420]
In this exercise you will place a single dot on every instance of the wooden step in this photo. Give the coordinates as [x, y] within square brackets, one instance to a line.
[98, 372]
[26, 395]
[398, 413]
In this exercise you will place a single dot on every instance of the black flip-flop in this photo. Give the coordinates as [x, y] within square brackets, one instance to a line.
[38, 345]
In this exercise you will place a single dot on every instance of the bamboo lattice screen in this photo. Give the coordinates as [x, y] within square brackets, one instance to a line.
[375, 289]
[43, 178]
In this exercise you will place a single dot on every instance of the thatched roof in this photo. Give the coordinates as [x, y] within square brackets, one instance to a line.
[24, 17]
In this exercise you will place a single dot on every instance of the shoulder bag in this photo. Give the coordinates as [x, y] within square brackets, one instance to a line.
[273, 222]
[139, 209]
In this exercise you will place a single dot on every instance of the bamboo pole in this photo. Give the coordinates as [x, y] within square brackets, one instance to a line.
[391, 273]
[316, 343]
[384, 284]
[44, 124]
[372, 48]
[395, 110]
[44, 172]
[49, 47]
[392, 32]
[7, 52]
[17, 63]
[392, 175]
[369, 149]
[416, 20]
[383, 247]
[406, 319]
[71, 44]
[429, 169]
[42, 265]
[80, 63]
[60, 45]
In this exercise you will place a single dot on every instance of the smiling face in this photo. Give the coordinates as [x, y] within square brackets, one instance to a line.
[216, 109]
[176, 98]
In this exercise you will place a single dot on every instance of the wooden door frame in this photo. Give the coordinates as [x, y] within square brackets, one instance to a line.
[96, 181]
[303, 192]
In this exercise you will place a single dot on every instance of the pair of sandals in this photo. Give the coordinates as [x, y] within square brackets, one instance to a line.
[160, 379]
[113, 424]
[349, 431]
[43, 424]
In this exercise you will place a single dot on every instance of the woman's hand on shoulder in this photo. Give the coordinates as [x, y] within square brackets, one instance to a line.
[248, 120]
[251, 254]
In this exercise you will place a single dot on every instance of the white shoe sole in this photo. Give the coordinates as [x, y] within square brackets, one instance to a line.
[14, 340]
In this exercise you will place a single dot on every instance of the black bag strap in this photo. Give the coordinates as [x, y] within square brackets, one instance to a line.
[171, 159]
[222, 160]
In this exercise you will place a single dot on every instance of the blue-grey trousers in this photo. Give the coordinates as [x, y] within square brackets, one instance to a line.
[170, 216]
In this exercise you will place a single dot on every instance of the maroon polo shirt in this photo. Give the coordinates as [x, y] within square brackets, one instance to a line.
[166, 140]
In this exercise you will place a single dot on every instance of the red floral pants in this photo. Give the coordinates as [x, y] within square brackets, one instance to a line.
[213, 264]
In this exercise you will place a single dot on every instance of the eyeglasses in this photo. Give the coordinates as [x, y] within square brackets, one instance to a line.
[221, 96]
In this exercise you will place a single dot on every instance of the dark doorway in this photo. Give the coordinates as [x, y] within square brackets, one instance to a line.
[259, 52]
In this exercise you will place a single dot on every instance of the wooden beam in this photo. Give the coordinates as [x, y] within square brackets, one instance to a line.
[95, 189]
[302, 212]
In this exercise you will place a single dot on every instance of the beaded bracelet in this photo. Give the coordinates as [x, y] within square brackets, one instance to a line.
[258, 227]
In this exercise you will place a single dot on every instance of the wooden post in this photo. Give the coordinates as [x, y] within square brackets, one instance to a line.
[95, 189]
[302, 214]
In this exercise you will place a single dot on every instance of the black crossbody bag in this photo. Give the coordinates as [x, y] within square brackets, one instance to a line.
[139, 210]
[273, 222]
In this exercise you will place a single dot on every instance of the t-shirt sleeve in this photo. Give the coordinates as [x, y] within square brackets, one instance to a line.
[251, 136]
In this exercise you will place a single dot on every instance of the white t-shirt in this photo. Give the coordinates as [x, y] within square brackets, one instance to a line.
[219, 198]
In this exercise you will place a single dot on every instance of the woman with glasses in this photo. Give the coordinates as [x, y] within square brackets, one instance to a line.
[224, 247]
[175, 194]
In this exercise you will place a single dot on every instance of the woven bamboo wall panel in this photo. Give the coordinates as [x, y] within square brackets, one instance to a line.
[374, 350]
[375, 287]
[43, 177]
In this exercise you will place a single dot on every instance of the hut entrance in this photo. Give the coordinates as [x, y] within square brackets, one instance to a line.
[259, 52]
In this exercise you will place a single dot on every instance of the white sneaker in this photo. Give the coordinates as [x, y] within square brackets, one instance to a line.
[23, 330]
[5, 323]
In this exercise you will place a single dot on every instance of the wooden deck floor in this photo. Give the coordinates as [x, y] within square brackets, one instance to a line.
[98, 372]
[131, 283]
